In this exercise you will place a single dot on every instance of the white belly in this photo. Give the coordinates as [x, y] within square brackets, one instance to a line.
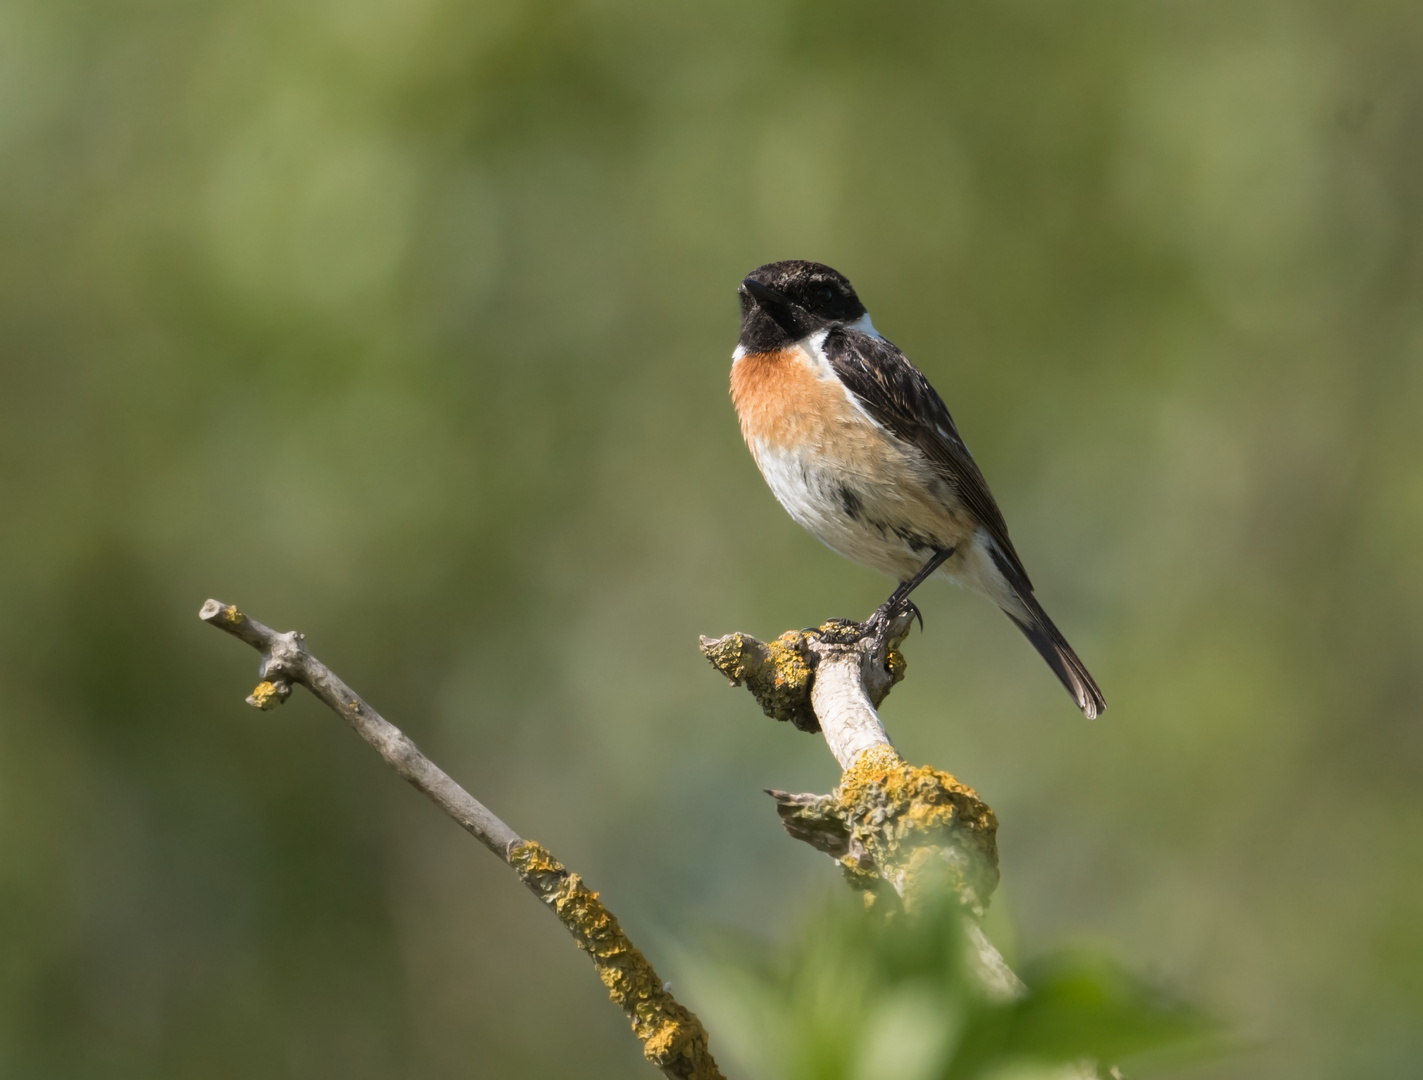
[875, 521]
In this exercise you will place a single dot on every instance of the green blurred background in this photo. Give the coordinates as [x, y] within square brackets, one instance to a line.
[407, 323]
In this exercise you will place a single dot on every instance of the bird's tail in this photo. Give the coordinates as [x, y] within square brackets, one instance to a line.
[1053, 648]
[1015, 596]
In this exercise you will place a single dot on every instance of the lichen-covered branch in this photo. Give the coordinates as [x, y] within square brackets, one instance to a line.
[848, 665]
[889, 820]
[895, 829]
[672, 1038]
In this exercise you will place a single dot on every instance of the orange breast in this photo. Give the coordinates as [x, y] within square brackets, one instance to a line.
[813, 444]
[782, 402]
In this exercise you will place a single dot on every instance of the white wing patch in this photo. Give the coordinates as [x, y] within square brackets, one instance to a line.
[865, 326]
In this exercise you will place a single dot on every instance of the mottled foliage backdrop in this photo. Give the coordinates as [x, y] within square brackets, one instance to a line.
[408, 324]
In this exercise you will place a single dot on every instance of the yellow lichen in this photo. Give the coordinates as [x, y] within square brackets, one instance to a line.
[788, 663]
[672, 1038]
[907, 818]
[778, 673]
[232, 615]
[267, 696]
[896, 665]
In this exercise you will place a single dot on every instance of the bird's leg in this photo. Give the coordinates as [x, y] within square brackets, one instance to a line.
[899, 599]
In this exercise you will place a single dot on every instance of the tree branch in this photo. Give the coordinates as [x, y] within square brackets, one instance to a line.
[672, 1038]
[888, 823]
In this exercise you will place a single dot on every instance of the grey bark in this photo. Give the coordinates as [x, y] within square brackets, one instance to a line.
[285, 661]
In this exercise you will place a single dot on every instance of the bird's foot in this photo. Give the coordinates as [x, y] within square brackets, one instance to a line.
[882, 623]
[898, 604]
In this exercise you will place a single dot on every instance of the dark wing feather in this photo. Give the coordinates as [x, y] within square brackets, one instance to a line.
[899, 397]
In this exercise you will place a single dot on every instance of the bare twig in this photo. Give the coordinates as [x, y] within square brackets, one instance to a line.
[286, 662]
[672, 1038]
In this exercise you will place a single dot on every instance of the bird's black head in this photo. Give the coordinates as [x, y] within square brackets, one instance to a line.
[783, 302]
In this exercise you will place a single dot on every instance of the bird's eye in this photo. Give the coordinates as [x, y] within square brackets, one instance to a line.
[827, 293]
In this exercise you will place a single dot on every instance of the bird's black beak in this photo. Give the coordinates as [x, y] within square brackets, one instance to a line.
[774, 303]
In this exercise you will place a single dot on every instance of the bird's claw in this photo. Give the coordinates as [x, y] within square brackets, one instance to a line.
[887, 614]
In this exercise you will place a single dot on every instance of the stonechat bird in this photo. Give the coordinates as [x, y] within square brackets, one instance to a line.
[860, 449]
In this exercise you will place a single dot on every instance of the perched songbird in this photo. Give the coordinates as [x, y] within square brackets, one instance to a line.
[860, 450]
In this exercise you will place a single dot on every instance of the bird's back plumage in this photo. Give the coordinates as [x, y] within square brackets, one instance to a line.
[898, 396]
